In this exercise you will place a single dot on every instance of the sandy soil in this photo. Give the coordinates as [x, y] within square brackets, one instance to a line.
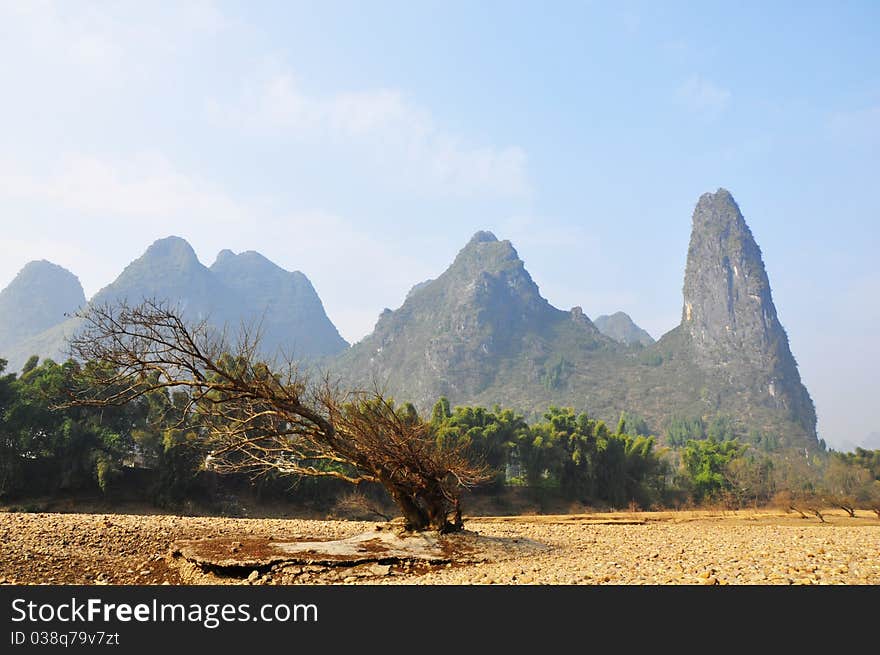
[626, 548]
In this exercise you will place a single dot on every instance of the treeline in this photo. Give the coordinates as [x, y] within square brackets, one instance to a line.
[583, 459]
[47, 447]
[579, 457]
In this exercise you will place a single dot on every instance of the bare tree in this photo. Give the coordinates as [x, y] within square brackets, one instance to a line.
[848, 485]
[257, 419]
[750, 479]
[799, 501]
[786, 501]
[874, 498]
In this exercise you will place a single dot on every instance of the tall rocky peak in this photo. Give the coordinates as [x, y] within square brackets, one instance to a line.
[454, 335]
[172, 249]
[486, 289]
[728, 310]
[483, 236]
[38, 298]
[489, 271]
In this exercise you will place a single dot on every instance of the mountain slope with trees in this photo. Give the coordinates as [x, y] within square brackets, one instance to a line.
[481, 333]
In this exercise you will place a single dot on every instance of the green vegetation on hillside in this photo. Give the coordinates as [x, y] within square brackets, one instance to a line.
[481, 334]
[562, 454]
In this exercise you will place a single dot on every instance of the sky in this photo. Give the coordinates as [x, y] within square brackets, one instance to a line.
[364, 143]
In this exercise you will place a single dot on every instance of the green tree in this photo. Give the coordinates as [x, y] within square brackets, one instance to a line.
[440, 412]
[10, 447]
[633, 424]
[721, 428]
[87, 445]
[588, 462]
[554, 373]
[682, 429]
[489, 436]
[705, 462]
[869, 459]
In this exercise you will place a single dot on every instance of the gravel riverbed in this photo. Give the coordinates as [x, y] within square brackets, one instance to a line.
[638, 548]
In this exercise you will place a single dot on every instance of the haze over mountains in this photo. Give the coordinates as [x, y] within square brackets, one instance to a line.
[37, 299]
[237, 289]
[620, 327]
[482, 333]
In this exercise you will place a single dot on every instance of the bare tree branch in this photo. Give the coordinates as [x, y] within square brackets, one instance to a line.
[258, 419]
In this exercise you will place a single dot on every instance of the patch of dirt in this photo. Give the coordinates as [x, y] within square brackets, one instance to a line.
[384, 551]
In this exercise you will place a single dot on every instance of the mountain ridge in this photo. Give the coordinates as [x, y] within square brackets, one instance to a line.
[482, 333]
[39, 296]
[295, 323]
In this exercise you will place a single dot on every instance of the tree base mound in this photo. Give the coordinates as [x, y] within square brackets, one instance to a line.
[387, 550]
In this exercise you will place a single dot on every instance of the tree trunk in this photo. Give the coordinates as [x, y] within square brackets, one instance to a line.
[415, 519]
[427, 511]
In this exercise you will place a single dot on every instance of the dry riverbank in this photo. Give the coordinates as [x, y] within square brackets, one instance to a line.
[624, 548]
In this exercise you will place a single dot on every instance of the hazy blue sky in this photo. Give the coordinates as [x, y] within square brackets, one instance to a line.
[364, 142]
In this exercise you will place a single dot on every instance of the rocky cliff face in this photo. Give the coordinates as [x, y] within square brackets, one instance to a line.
[38, 298]
[728, 310]
[453, 335]
[289, 311]
[729, 314]
[481, 333]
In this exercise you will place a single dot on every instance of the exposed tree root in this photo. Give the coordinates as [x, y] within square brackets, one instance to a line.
[384, 551]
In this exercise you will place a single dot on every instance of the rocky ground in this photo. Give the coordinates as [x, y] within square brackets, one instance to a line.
[625, 548]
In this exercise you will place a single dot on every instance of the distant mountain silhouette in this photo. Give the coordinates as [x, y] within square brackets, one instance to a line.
[37, 299]
[482, 333]
[237, 290]
[620, 327]
[292, 317]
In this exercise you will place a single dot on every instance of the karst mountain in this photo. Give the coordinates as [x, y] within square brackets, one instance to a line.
[620, 327]
[482, 333]
[237, 290]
